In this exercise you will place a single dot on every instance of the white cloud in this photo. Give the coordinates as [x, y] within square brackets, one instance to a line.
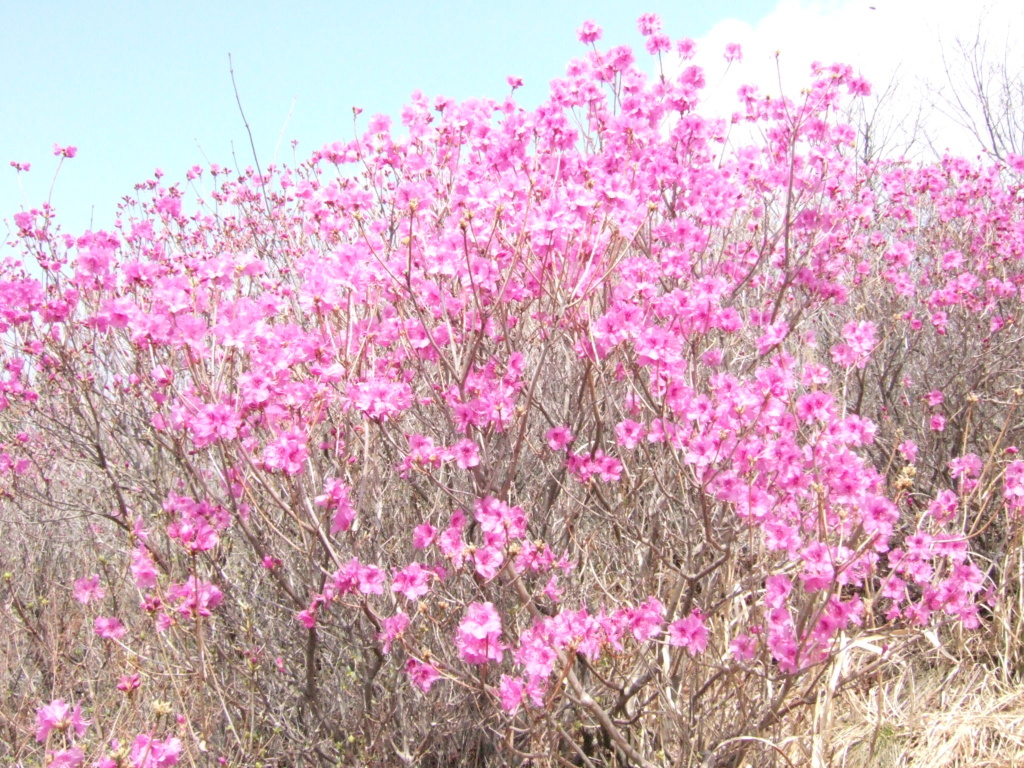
[898, 42]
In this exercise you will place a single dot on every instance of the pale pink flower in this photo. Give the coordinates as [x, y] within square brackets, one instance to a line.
[510, 691]
[148, 752]
[66, 758]
[589, 32]
[109, 627]
[394, 626]
[58, 715]
[89, 589]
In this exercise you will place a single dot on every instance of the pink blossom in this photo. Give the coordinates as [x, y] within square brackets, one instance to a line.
[287, 453]
[743, 647]
[558, 438]
[128, 683]
[335, 497]
[647, 619]
[423, 535]
[88, 590]
[194, 597]
[689, 633]
[588, 32]
[379, 399]
[66, 758]
[465, 454]
[488, 561]
[510, 691]
[1013, 486]
[479, 635]
[909, 450]
[648, 24]
[423, 674]
[552, 591]
[147, 752]
[413, 581]
[394, 626]
[109, 627]
[776, 589]
[686, 48]
[143, 568]
[58, 715]
[371, 580]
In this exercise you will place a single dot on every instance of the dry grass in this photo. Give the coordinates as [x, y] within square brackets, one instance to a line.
[931, 711]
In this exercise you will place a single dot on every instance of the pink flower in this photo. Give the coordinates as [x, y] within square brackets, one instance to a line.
[743, 647]
[109, 627]
[686, 48]
[552, 591]
[645, 621]
[629, 433]
[195, 598]
[938, 422]
[413, 581]
[558, 438]
[465, 454]
[270, 562]
[58, 715]
[488, 561]
[909, 450]
[287, 453]
[336, 497]
[89, 590]
[859, 342]
[128, 683]
[733, 52]
[143, 568]
[479, 636]
[510, 691]
[421, 673]
[648, 24]
[66, 758]
[371, 580]
[148, 752]
[588, 32]
[514, 82]
[689, 633]
[380, 399]
[777, 588]
[423, 535]
[394, 626]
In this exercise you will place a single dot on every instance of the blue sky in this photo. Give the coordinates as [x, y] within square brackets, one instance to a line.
[140, 85]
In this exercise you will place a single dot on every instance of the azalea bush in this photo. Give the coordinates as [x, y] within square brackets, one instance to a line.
[605, 433]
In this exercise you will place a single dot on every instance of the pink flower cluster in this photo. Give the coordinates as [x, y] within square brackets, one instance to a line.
[520, 391]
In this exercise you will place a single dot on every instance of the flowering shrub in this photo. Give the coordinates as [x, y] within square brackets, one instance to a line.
[587, 433]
